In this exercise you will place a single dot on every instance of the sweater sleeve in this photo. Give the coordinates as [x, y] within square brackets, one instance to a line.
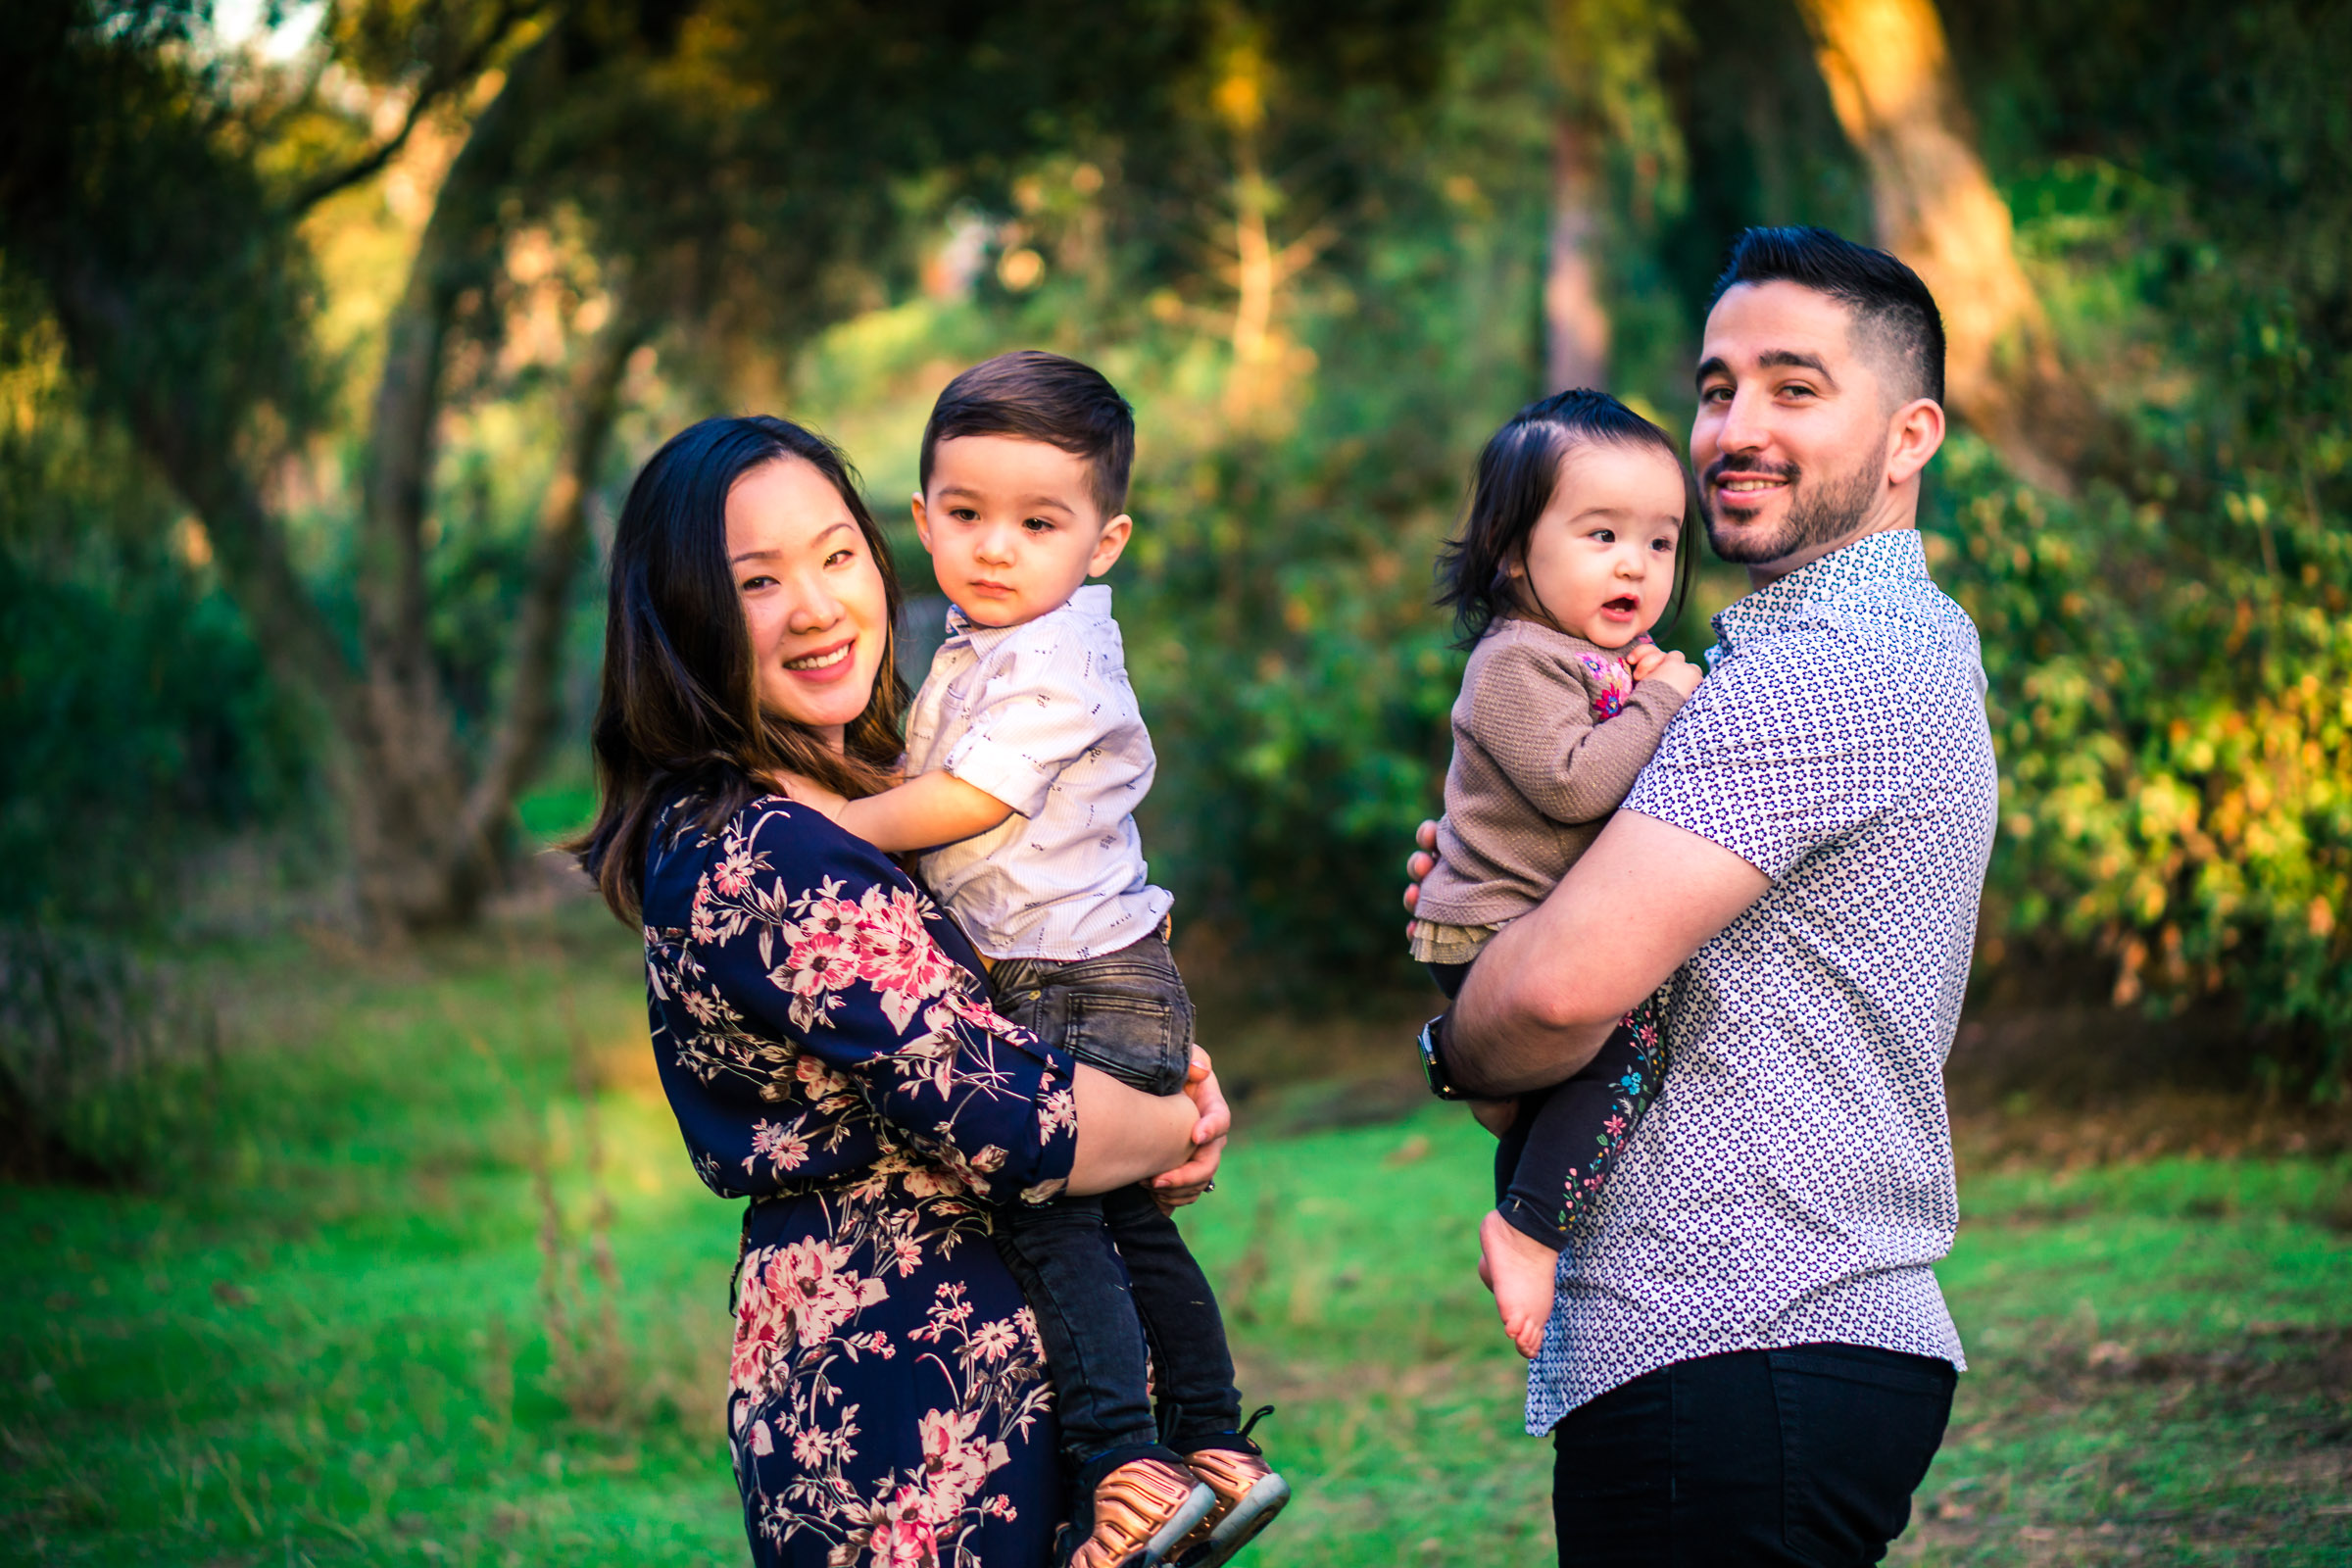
[1532, 716]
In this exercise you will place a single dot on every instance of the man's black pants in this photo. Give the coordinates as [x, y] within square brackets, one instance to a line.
[1807, 1456]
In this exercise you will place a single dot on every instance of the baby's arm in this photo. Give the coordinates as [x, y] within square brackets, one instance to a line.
[1568, 766]
[928, 809]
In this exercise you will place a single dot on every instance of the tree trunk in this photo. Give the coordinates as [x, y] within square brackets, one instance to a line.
[1576, 323]
[1891, 80]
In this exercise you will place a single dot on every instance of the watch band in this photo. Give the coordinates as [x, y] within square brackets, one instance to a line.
[1433, 1060]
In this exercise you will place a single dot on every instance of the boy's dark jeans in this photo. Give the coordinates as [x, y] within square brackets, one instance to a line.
[1561, 1148]
[1127, 1013]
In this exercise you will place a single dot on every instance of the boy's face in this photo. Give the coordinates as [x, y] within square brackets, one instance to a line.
[1013, 527]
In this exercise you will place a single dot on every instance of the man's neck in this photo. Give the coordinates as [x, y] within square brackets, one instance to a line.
[1764, 576]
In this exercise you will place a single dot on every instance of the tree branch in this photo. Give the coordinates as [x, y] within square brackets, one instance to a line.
[438, 83]
[519, 744]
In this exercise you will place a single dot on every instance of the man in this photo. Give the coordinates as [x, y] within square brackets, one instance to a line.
[1749, 1361]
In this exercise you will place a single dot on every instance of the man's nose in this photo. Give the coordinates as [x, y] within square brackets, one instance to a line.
[1745, 428]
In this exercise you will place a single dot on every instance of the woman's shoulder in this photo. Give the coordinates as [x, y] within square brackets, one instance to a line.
[772, 838]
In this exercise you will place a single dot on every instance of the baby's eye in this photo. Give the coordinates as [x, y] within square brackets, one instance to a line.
[1662, 546]
[1604, 536]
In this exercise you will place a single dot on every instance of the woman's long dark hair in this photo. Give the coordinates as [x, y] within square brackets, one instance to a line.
[1517, 474]
[680, 713]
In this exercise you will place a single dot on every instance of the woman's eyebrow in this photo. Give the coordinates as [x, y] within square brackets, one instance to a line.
[772, 555]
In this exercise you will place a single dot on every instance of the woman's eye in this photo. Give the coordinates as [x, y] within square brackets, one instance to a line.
[752, 584]
[840, 556]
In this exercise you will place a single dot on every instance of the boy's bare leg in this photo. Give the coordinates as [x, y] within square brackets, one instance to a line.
[1519, 1270]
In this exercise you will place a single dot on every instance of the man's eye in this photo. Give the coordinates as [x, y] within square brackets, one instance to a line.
[1716, 394]
[1796, 391]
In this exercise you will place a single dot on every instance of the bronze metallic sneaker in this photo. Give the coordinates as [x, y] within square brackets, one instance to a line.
[1249, 1496]
[1142, 1510]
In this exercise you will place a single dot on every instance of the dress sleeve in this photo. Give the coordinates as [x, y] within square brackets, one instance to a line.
[809, 936]
[1534, 718]
[1040, 709]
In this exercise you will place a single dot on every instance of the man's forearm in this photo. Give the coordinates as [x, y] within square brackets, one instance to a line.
[1501, 1039]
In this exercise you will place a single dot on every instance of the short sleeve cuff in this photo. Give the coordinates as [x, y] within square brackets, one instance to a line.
[1002, 771]
[1757, 839]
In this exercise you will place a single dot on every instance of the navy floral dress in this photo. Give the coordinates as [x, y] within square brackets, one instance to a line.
[826, 1040]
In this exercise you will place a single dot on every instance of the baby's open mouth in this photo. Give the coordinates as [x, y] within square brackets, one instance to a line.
[1621, 604]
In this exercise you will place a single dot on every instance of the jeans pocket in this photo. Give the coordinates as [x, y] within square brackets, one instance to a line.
[1141, 1041]
[1858, 1429]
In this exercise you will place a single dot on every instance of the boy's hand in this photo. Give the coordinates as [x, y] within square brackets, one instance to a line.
[1187, 1182]
[807, 792]
[1652, 662]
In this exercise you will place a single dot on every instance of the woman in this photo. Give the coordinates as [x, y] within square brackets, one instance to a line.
[822, 1030]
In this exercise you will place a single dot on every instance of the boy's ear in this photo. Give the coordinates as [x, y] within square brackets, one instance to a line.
[922, 523]
[1112, 540]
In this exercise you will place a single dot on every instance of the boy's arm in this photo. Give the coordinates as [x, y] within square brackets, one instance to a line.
[1568, 766]
[928, 809]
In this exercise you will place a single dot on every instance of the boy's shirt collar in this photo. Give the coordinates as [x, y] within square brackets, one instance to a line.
[1091, 602]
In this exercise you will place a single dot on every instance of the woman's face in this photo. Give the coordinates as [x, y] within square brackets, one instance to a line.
[812, 596]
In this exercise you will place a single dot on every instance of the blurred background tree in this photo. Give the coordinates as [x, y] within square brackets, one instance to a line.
[330, 342]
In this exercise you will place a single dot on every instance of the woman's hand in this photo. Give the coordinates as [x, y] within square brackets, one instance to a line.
[1187, 1182]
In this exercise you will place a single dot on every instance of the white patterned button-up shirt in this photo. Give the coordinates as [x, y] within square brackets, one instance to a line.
[1793, 1183]
[1041, 717]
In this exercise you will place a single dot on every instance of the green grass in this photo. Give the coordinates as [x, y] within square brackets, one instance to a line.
[325, 1337]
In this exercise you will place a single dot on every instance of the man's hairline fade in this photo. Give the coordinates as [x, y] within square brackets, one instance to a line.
[1893, 321]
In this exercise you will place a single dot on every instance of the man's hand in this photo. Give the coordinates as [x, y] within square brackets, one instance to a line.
[1418, 866]
[1187, 1182]
[1649, 662]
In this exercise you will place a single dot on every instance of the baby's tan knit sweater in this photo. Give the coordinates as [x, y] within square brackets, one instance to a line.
[1549, 734]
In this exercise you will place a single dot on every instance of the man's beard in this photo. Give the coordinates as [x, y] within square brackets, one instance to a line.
[1818, 515]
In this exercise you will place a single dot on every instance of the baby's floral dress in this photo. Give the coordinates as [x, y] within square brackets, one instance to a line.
[825, 1038]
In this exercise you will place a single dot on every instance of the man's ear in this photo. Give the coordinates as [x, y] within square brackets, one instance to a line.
[922, 521]
[1113, 539]
[1913, 436]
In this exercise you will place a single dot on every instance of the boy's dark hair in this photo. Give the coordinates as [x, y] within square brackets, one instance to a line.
[1517, 474]
[1895, 320]
[1042, 396]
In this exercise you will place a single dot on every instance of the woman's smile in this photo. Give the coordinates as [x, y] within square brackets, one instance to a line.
[827, 664]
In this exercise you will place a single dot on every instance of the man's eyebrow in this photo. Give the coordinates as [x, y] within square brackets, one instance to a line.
[1711, 365]
[1771, 360]
[771, 555]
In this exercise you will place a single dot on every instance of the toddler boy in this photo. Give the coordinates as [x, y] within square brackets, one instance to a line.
[1026, 757]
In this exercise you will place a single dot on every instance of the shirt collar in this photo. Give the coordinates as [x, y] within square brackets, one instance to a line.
[1091, 602]
[1871, 561]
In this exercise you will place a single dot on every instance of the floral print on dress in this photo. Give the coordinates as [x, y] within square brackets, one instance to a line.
[1612, 684]
[827, 1045]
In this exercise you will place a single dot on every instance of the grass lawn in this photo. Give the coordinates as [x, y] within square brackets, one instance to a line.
[441, 1290]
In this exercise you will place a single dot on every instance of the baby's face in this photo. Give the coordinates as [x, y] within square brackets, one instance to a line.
[1600, 560]
[1013, 527]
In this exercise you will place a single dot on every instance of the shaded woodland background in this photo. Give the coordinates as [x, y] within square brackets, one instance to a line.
[330, 335]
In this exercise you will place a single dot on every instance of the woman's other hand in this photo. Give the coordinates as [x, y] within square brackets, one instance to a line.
[1187, 1182]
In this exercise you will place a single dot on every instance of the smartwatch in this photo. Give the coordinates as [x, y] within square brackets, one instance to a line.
[1432, 1061]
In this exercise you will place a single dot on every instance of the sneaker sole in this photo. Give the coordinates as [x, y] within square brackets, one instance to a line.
[1184, 1522]
[1256, 1510]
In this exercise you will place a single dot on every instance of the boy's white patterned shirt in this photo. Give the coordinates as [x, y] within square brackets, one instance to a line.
[1793, 1183]
[1041, 717]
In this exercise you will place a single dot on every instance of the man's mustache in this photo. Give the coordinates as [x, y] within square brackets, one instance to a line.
[1740, 463]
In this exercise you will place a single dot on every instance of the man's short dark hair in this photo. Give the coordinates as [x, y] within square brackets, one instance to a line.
[1896, 318]
[1042, 396]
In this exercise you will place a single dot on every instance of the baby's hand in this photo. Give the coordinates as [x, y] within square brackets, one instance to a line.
[1652, 662]
[1495, 1116]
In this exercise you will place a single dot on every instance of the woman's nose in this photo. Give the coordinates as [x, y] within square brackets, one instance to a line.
[813, 610]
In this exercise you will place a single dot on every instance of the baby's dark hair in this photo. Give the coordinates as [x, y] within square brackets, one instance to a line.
[1517, 474]
[1042, 396]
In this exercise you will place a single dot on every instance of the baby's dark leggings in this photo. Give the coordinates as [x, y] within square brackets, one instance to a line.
[1563, 1143]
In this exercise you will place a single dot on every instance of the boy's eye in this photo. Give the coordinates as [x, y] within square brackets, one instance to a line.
[1037, 525]
[962, 513]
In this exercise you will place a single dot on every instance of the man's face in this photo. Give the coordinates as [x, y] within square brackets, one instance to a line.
[1791, 439]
